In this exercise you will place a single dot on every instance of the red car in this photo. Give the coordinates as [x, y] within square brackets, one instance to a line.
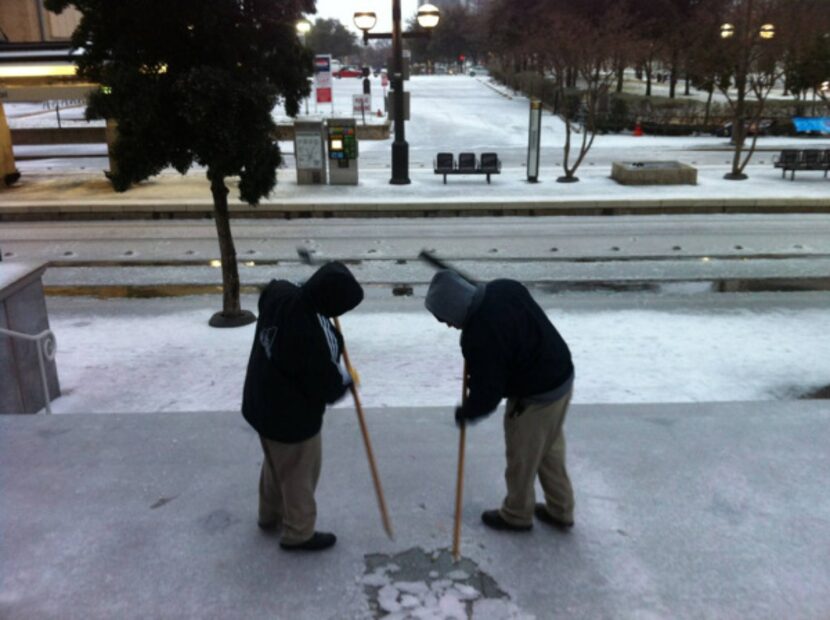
[348, 72]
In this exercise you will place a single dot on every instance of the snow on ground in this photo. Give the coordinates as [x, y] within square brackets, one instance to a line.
[158, 355]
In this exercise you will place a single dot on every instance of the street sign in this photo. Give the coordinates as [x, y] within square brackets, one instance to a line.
[322, 77]
[361, 104]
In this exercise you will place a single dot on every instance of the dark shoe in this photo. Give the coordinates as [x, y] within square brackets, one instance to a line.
[493, 518]
[543, 515]
[318, 542]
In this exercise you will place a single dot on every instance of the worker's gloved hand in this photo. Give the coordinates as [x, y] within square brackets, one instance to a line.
[355, 376]
[345, 374]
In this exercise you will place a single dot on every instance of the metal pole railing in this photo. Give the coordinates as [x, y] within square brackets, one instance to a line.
[47, 346]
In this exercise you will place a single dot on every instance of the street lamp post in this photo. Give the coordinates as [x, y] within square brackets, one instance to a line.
[428, 16]
[303, 28]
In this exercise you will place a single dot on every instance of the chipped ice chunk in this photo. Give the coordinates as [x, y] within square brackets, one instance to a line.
[451, 607]
[412, 587]
[433, 574]
[376, 579]
[410, 602]
[458, 575]
[440, 585]
[430, 601]
[388, 599]
[464, 592]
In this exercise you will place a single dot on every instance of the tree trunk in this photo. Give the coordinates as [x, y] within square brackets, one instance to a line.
[738, 128]
[673, 77]
[708, 106]
[232, 314]
[620, 76]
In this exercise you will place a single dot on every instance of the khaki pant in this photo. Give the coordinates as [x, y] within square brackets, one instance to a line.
[536, 446]
[289, 476]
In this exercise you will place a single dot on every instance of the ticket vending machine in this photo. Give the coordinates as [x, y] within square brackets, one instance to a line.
[310, 152]
[342, 145]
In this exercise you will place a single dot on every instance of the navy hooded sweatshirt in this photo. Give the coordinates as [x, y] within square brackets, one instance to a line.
[294, 370]
[510, 346]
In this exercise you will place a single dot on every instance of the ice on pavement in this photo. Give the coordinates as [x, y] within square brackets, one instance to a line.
[160, 355]
[440, 594]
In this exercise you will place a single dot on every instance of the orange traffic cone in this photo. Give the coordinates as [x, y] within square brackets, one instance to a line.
[638, 130]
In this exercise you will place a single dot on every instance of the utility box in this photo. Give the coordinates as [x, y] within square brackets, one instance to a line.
[310, 152]
[342, 145]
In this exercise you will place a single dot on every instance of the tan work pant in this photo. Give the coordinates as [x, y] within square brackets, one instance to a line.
[536, 446]
[289, 476]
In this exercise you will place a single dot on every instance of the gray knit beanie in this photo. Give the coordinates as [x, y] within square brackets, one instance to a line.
[449, 297]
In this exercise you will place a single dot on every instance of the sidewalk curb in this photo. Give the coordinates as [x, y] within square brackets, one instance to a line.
[195, 209]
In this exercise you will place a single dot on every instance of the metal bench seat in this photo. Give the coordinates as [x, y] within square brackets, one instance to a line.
[468, 163]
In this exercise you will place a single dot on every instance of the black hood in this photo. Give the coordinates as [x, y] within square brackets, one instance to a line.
[333, 290]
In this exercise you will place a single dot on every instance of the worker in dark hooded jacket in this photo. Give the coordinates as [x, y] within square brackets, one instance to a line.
[295, 369]
[512, 350]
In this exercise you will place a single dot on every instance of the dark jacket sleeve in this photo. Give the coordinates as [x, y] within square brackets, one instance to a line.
[487, 377]
[320, 374]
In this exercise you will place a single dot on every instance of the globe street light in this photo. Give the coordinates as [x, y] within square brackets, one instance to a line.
[428, 17]
[303, 28]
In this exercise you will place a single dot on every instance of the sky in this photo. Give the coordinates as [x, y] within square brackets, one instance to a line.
[345, 9]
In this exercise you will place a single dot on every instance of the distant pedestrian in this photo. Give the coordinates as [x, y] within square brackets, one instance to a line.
[293, 372]
[512, 350]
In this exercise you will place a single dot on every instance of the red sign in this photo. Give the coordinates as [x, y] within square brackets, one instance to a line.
[324, 95]
[322, 77]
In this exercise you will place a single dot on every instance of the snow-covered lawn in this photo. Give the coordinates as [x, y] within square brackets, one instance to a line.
[160, 355]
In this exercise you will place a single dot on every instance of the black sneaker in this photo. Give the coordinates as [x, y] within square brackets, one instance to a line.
[493, 518]
[543, 515]
[317, 542]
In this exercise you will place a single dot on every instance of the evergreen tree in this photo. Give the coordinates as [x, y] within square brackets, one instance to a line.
[329, 36]
[194, 82]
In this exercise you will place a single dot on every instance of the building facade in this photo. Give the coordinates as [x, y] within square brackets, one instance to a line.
[27, 21]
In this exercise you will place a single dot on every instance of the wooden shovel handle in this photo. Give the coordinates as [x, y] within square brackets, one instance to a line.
[384, 514]
[459, 480]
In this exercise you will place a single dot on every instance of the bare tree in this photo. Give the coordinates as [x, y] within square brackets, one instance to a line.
[586, 44]
[749, 44]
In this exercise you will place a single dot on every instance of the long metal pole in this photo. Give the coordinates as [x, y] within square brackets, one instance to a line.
[400, 149]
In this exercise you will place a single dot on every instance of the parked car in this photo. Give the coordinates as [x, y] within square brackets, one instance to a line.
[349, 72]
[478, 70]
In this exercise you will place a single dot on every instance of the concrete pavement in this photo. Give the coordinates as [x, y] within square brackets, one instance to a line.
[88, 195]
[683, 511]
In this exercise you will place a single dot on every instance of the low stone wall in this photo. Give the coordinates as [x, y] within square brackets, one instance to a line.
[653, 173]
[97, 135]
[53, 135]
[376, 131]
[23, 309]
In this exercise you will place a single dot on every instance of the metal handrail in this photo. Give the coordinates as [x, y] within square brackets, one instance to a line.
[47, 346]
